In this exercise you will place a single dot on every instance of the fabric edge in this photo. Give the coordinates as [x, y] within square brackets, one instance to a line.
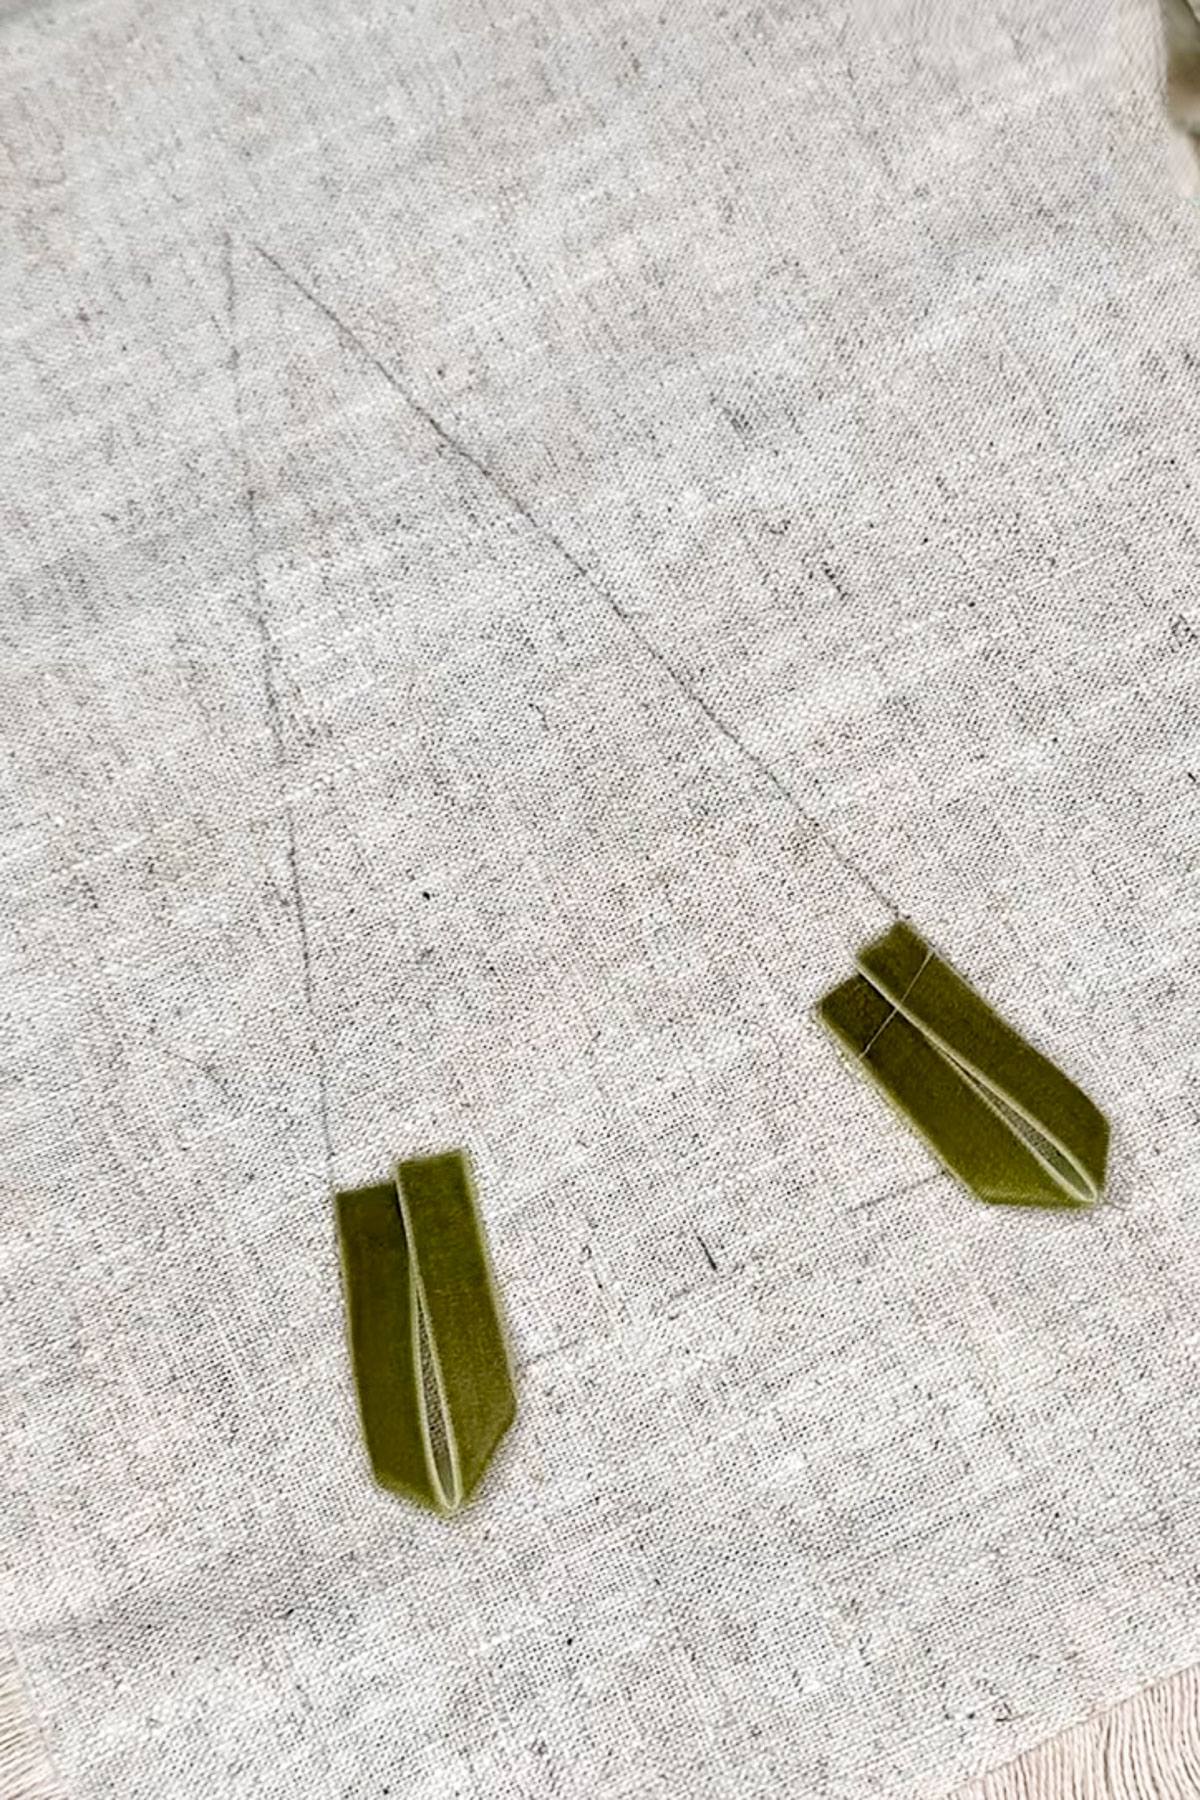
[26, 1771]
[1141, 1748]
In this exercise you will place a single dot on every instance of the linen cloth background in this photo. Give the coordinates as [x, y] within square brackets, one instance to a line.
[477, 481]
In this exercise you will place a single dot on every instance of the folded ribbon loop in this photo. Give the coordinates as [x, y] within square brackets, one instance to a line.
[998, 1114]
[430, 1362]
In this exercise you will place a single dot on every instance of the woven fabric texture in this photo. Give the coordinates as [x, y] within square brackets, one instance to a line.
[524, 532]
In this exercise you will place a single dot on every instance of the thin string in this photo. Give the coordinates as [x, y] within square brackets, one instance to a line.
[448, 439]
[881, 1028]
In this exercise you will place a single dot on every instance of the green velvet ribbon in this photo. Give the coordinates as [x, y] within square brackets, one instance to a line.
[431, 1364]
[996, 1112]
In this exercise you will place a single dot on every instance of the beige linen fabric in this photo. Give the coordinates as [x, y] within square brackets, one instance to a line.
[478, 483]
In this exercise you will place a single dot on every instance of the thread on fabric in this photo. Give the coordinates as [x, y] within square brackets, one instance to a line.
[880, 1029]
[464, 453]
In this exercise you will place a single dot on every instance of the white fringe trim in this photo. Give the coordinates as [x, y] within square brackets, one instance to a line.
[26, 1772]
[1148, 1748]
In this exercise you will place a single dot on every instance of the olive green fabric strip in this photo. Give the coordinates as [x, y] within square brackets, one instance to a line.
[430, 1360]
[377, 1272]
[999, 1114]
[458, 1304]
